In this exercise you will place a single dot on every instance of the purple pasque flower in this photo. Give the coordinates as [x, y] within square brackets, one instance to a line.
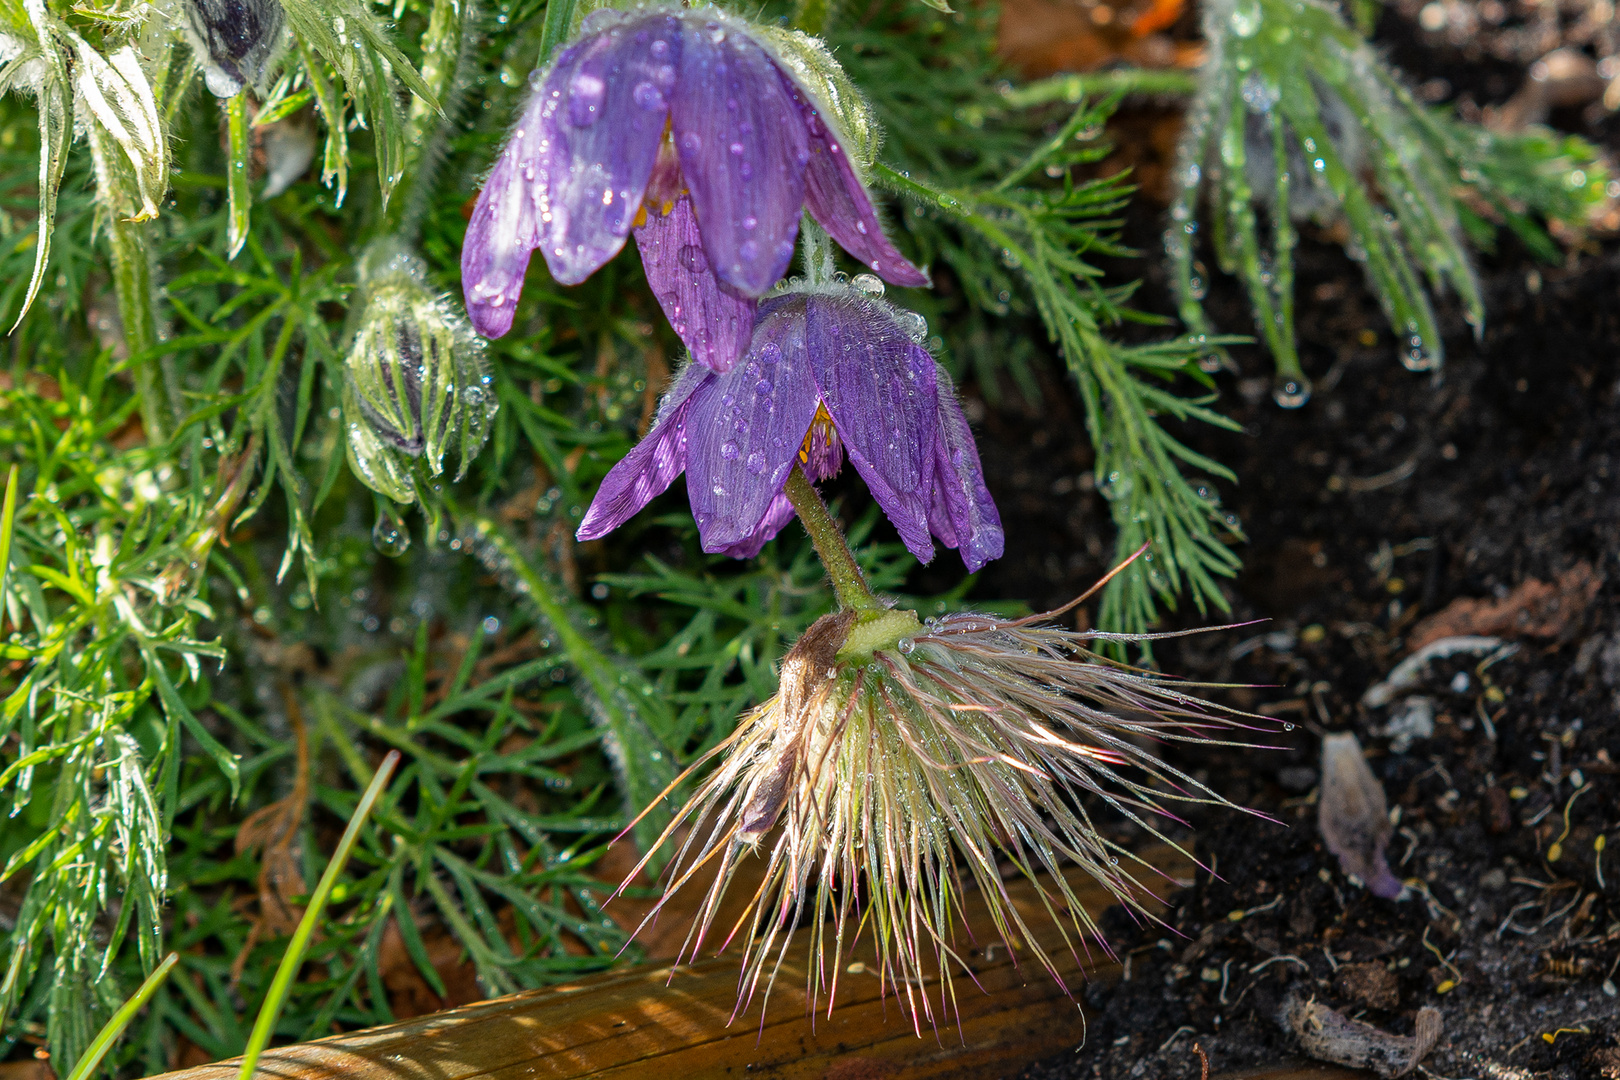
[682, 126]
[828, 372]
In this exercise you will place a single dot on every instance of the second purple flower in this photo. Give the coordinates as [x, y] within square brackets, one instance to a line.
[683, 126]
[828, 372]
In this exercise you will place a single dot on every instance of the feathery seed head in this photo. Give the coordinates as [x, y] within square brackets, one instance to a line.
[902, 764]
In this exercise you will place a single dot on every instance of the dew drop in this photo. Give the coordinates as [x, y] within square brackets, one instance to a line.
[389, 537]
[915, 326]
[1291, 391]
[585, 95]
[756, 462]
[868, 284]
[729, 450]
[716, 32]
[1417, 356]
[649, 97]
[691, 258]
[907, 645]
[1245, 19]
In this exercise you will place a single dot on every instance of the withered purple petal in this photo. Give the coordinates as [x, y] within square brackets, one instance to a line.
[880, 389]
[962, 514]
[745, 429]
[651, 466]
[838, 201]
[742, 146]
[714, 323]
[602, 115]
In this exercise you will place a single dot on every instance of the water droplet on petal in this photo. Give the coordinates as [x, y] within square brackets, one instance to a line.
[691, 257]
[729, 450]
[756, 462]
[649, 97]
[869, 284]
[585, 95]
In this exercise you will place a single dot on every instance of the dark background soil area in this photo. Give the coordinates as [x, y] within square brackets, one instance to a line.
[1393, 506]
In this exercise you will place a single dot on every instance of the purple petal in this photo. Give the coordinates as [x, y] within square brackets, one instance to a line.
[838, 200]
[741, 141]
[601, 115]
[504, 230]
[652, 465]
[962, 514]
[712, 322]
[778, 514]
[880, 388]
[744, 435]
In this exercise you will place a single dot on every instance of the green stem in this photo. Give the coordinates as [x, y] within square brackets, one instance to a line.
[1072, 88]
[132, 281]
[848, 583]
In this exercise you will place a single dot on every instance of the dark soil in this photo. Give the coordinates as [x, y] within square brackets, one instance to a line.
[1388, 497]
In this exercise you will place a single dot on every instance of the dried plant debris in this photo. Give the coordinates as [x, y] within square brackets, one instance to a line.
[1535, 608]
[1328, 1035]
[1353, 815]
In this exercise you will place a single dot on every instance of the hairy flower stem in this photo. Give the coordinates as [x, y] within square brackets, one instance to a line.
[447, 49]
[132, 280]
[848, 583]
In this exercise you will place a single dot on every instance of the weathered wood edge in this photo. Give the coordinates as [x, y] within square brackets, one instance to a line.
[676, 1023]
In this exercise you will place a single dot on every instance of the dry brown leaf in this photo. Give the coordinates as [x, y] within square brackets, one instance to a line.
[274, 829]
[1328, 1035]
[1533, 609]
[27, 1069]
[408, 992]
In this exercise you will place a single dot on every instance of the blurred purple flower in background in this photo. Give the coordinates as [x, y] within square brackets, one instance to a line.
[828, 372]
[682, 126]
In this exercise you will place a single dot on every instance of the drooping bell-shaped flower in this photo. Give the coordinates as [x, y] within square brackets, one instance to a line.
[901, 761]
[829, 372]
[234, 40]
[704, 136]
[414, 384]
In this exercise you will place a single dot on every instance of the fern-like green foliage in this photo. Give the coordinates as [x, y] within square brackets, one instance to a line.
[1294, 113]
[212, 630]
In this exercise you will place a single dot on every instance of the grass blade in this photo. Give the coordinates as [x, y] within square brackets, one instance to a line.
[109, 1034]
[270, 1011]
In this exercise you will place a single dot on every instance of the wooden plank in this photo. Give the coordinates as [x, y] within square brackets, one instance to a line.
[677, 1024]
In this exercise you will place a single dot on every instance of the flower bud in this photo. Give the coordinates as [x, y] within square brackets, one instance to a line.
[414, 383]
[234, 40]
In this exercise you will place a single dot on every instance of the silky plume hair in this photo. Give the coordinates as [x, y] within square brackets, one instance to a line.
[881, 790]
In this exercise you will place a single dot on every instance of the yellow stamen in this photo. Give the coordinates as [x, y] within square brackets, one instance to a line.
[821, 422]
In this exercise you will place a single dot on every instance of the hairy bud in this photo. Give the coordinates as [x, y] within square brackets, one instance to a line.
[414, 383]
[235, 40]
